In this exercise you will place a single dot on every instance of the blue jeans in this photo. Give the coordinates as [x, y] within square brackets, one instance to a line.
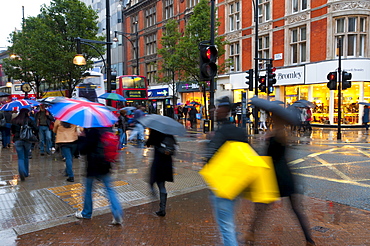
[5, 134]
[114, 203]
[122, 138]
[224, 213]
[139, 131]
[23, 148]
[45, 139]
[68, 150]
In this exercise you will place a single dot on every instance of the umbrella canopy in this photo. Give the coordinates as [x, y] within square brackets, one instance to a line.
[128, 108]
[19, 104]
[299, 105]
[49, 100]
[364, 103]
[112, 96]
[162, 124]
[111, 108]
[306, 103]
[288, 115]
[278, 102]
[82, 113]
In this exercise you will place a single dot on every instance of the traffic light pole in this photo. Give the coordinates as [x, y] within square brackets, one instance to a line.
[339, 134]
[212, 82]
[255, 111]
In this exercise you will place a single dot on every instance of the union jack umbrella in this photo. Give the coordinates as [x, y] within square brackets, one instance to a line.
[16, 105]
[83, 113]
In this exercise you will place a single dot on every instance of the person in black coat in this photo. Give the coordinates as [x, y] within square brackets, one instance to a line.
[161, 169]
[5, 130]
[22, 147]
[286, 184]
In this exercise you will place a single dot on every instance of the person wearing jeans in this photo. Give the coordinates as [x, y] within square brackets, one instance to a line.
[97, 167]
[22, 147]
[66, 137]
[227, 131]
[43, 119]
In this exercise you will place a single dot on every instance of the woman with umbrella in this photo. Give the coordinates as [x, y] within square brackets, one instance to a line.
[22, 147]
[162, 129]
[277, 149]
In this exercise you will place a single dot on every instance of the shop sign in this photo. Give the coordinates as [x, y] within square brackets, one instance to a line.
[161, 92]
[188, 87]
[290, 76]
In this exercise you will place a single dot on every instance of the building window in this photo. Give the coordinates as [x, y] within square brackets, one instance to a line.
[352, 29]
[263, 50]
[264, 11]
[151, 72]
[298, 44]
[299, 5]
[134, 23]
[191, 3]
[168, 9]
[234, 16]
[150, 19]
[151, 44]
[235, 57]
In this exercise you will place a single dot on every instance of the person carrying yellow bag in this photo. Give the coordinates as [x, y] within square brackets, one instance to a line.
[276, 150]
[224, 207]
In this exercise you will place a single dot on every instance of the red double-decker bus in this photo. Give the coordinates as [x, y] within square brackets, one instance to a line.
[132, 87]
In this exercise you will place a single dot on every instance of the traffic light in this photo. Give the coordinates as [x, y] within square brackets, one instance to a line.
[345, 79]
[113, 77]
[262, 85]
[271, 80]
[332, 77]
[249, 79]
[207, 63]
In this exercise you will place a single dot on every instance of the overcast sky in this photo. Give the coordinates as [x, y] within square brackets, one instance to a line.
[11, 15]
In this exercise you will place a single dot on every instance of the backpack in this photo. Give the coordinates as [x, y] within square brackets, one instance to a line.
[167, 146]
[110, 143]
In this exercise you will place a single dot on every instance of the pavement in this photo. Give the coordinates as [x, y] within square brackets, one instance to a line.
[39, 211]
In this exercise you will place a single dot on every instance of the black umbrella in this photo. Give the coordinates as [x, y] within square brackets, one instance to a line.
[288, 115]
[162, 124]
[306, 103]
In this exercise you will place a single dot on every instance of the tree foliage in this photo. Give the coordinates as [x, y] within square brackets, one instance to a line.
[46, 45]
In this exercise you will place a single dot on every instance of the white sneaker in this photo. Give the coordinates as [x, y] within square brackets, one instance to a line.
[79, 215]
[117, 222]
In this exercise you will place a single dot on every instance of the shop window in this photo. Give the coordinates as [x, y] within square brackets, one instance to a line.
[321, 98]
[352, 30]
[264, 10]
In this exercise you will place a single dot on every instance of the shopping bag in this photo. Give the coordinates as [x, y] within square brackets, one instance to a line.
[264, 188]
[232, 168]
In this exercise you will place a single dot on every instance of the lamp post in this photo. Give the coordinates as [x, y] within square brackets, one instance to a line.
[135, 46]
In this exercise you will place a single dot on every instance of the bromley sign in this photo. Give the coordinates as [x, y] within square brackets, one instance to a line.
[290, 76]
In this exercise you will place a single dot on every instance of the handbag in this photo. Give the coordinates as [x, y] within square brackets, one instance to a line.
[2, 122]
[232, 169]
[26, 134]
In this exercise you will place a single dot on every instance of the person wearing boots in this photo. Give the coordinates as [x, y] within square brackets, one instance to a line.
[161, 169]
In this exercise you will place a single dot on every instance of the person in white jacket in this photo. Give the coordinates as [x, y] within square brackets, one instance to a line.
[263, 117]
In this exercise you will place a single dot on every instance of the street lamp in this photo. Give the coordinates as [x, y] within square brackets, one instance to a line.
[135, 46]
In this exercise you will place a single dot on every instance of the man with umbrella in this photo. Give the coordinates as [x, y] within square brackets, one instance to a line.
[224, 208]
[43, 120]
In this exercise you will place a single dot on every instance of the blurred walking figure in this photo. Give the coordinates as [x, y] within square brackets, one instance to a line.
[180, 113]
[138, 131]
[303, 119]
[286, 184]
[263, 118]
[122, 128]
[66, 137]
[21, 146]
[365, 117]
[224, 208]
[193, 117]
[97, 168]
[308, 119]
[43, 120]
[5, 129]
[161, 170]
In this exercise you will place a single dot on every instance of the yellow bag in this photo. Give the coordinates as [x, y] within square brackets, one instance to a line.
[232, 168]
[264, 189]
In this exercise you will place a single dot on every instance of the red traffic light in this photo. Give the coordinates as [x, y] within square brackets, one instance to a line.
[262, 80]
[332, 76]
[209, 52]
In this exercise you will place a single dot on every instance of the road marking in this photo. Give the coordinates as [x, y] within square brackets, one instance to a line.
[330, 164]
[333, 180]
[334, 169]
